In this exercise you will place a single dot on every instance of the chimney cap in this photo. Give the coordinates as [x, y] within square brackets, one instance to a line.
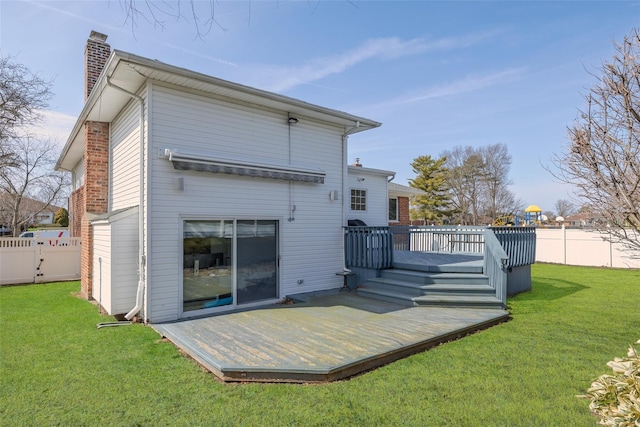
[96, 36]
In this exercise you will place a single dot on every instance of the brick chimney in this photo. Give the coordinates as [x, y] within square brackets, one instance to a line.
[93, 196]
[357, 162]
[96, 55]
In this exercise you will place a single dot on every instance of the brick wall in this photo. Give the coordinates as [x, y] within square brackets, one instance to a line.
[76, 211]
[96, 54]
[93, 196]
[403, 211]
[96, 193]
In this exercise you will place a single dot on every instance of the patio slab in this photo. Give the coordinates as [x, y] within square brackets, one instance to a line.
[323, 337]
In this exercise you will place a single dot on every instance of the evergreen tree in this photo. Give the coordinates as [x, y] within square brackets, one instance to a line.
[431, 177]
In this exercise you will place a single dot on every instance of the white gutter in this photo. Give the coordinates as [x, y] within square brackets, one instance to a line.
[142, 261]
[345, 183]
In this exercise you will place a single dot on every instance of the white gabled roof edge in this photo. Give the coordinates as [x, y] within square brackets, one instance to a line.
[113, 216]
[403, 190]
[370, 171]
[130, 71]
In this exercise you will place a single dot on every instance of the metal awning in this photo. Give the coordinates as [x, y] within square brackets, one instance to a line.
[197, 162]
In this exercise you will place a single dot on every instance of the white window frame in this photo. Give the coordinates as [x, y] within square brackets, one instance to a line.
[362, 199]
[397, 218]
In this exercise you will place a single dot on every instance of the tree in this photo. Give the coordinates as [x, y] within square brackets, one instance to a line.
[564, 207]
[26, 161]
[23, 97]
[478, 181]
[430, 178]
[602, 157]
[61, 217]
[496, 164]
[202, 14]
[32, 178]
[463, 168]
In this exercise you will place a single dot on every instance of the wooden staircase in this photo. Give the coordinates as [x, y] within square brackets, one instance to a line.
[433, 285]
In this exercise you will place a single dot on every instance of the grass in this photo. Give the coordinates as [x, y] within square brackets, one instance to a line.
[56, 368]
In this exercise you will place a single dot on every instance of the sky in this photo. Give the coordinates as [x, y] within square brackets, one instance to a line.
[436, 74]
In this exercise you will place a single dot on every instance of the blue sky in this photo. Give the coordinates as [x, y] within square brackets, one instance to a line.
[435, 74]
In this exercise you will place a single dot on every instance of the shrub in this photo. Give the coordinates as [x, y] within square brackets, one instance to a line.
[61, 217]
[616, 398]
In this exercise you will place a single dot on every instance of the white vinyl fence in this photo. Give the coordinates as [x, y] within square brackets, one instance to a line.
[582, 247]
[39, 260]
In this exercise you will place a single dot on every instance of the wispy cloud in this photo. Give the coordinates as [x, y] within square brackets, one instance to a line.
[54, 125]
[465, 85]
[384, 49]
[51, 7]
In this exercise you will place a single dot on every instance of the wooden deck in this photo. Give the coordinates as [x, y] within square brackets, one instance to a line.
[322, 337]
[438, 261]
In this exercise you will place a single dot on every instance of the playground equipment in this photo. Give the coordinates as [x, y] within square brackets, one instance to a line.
[532, 215]
[507, 220]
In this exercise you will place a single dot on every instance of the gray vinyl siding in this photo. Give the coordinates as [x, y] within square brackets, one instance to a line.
[125, 158]
[101, 289]
[377, 211]
[124, 238]
[310, 246]
[115, 264]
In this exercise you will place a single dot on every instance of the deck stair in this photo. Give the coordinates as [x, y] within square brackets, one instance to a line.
[433, 285]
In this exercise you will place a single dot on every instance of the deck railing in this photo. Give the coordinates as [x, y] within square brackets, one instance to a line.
[368, 247]
[463, 239]
[503, 247]
[495, 265]
[519, 243]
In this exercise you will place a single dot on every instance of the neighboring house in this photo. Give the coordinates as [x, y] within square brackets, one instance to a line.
[400, 203]
[34, 211]
[195, 195]
[580, 220]
[367, 194]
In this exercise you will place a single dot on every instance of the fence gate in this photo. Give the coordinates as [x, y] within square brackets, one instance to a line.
[39, 260]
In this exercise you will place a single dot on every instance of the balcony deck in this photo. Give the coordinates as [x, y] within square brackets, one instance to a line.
[322, 337]
[438, 261]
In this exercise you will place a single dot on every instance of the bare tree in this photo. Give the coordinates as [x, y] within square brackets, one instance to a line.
[32, 179]
[26, 162]
[564, 208]
[201, 13]
[23, 97]
[496, 164]
[602, 158]
[464, 166]
[478, 181]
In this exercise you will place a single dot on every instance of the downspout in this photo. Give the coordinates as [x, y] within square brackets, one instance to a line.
[142, 261]
[345, 186]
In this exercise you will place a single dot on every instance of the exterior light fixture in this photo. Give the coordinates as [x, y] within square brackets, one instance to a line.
[293, 120]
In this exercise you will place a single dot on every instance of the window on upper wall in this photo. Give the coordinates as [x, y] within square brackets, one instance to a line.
[393, 209]
[358, 200]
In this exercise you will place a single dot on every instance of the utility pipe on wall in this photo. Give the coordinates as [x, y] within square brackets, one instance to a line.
[141, 254]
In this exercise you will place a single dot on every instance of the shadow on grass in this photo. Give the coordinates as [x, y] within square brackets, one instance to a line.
[549, 289]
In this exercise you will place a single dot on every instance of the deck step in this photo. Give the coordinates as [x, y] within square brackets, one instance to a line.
[426, 278]
[478, 301]
[447, 285]
[458, 301]
[450, 268]
[417, 289]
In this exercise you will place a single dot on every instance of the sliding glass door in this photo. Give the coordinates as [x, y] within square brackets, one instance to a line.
[229, 262]
[257, 260]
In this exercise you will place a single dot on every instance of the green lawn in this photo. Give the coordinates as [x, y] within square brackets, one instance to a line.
[58, 369]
